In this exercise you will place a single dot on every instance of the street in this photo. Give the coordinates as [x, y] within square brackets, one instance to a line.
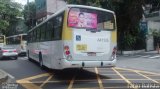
[130, 70]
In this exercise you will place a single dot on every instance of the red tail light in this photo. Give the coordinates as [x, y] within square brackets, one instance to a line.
[14, 50]
[5, 50]
[114, 51]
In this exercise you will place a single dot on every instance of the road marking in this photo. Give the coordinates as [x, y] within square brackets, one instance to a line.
[46, 81]
[145, 56]
[99, 80]
[138, 71]
[71, 83]
[124, 78]
[147, 77]
[154, 57]
[37, 76]
[28, 84]
[87, 88]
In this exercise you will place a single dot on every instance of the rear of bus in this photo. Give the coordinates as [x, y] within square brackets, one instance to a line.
[89, 37]
[2, 40]
[23, 43]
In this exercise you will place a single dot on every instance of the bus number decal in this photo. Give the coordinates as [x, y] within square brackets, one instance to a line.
[81, 47]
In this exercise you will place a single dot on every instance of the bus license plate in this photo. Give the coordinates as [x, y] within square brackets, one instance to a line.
[81, 47]
[91, 54]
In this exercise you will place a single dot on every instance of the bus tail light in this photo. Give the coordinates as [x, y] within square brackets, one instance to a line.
[67, 52]
[114, 51]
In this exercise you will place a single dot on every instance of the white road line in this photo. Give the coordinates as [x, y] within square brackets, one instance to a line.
[146, 56]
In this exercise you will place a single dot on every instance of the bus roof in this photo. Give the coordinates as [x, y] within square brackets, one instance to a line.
[71, 5]
[16, 35]
[90, 7]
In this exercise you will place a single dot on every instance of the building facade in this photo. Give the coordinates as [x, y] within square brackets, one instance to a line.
[45, 8]
[153, 21]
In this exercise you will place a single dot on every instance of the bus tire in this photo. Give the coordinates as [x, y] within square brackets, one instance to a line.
[41, 60]
[28, 56]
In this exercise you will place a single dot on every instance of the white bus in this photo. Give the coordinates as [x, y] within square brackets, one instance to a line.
[2, 40]
[18, 41]
[77, 36]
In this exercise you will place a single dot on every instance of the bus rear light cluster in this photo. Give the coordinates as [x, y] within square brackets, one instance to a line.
[114, 51]
[67, 51]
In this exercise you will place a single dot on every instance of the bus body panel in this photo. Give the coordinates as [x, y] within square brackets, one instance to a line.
[84, 48]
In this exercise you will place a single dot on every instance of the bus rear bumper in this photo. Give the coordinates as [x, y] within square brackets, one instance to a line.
[87, 64]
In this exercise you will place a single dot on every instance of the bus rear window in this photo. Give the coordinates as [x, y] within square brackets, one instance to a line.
[90, 19]
[1, 39]
[24, 37]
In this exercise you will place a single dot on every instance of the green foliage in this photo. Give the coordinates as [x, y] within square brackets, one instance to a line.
[8, 12]
[156, 33]
[29, 14]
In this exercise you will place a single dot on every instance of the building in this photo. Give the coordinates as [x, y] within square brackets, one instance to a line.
[45, 8]
[152, 17]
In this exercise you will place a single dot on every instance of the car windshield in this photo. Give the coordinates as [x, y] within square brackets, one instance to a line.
[91, 19]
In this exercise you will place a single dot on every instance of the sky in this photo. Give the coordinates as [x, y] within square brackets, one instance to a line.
[23, 2]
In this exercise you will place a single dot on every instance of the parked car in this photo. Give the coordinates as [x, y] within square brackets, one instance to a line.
[8, 52]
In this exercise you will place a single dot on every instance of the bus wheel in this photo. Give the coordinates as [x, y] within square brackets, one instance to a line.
[40, 60]
[28, 56]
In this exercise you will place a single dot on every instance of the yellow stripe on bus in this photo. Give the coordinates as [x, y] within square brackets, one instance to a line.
[114, 36]
[67, 32]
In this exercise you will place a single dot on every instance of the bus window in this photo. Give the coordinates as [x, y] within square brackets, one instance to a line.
[1, 39]
[58, 23]
[91, 19]
[24, 37]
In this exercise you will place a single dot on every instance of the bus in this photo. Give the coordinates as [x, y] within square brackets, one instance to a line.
[2, 40]
[19, 42]
[76, 36]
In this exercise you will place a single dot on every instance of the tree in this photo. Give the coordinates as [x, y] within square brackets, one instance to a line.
[29, 14]
[8, 12]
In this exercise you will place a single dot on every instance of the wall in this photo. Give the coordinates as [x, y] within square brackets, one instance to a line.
[150, 41]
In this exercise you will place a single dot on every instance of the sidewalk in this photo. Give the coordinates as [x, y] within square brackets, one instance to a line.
[5, 77]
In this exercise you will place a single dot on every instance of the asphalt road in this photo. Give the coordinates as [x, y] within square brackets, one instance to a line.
[29, 75]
